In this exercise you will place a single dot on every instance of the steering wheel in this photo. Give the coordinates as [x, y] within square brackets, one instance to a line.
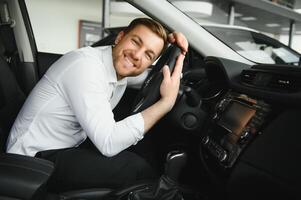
[150, 90]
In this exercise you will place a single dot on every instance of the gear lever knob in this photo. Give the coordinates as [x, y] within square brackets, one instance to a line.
[175, 162]
[167, 186]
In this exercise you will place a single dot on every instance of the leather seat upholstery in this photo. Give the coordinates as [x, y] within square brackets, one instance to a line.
[21, 177]
[11, 98]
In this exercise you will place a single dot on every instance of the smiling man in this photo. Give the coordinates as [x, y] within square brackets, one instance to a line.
[136, 50]
[74, 101]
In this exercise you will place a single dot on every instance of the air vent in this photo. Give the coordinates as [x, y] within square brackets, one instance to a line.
[285, 82]
[247, 76]
[271, 80]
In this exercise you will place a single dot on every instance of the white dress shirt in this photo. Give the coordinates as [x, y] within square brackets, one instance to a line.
[73, 101]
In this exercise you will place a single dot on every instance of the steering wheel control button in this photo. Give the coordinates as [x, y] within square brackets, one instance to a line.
[189, 120]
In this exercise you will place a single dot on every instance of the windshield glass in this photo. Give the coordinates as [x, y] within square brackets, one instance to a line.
[226, 22]
[255, 46]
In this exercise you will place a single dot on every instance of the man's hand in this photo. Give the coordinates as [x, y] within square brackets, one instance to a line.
[180, 40]
[169, 91]
[169, 87]
[171, 82]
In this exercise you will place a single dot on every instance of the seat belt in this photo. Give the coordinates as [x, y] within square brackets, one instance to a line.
[6, 32]
[10, 54]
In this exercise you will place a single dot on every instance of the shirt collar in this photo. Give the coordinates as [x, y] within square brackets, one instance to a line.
[108, 63]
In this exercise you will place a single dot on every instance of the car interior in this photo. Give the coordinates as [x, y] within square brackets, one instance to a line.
[233, 133]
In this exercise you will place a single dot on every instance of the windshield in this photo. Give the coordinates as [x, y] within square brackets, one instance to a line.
[214, 16]
[255, 46]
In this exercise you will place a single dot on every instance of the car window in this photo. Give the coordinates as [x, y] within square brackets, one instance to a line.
[255, 46]
[62, 26]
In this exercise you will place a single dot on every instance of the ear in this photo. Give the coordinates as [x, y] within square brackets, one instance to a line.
[119, 37]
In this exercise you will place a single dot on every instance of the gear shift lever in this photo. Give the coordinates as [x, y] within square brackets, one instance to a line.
[175, 161]
[166, 188]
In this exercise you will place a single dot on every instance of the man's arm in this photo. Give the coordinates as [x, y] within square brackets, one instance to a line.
[85, 88]
[169, 90]
[169, 87]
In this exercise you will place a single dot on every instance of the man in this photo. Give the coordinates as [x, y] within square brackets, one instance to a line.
[74, 101]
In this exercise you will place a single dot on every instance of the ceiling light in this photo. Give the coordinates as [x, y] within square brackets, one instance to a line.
[272, 25]
[237, 14]
[124, 9]
[298, 10]
[248, 18]
[196, 8]
[285, 28]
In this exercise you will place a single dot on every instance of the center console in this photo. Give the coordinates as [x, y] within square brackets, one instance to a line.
[235, 121]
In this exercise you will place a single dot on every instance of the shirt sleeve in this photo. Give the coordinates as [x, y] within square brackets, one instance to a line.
[86, 89]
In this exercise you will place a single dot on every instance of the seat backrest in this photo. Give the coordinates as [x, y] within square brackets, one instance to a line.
[11, 98]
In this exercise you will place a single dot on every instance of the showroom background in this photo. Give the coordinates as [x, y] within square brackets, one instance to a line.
[75, 23]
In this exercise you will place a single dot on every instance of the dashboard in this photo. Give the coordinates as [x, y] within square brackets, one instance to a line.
[251, 140]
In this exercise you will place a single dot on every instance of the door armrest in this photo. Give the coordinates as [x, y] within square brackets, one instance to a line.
[23, 177]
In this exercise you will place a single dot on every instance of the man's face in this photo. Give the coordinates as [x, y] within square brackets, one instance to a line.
[135, 51]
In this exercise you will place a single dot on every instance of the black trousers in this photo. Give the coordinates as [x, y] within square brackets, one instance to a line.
[85, 167]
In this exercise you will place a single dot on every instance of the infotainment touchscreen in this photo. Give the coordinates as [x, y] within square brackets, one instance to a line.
[236, 120]
[235, 117]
